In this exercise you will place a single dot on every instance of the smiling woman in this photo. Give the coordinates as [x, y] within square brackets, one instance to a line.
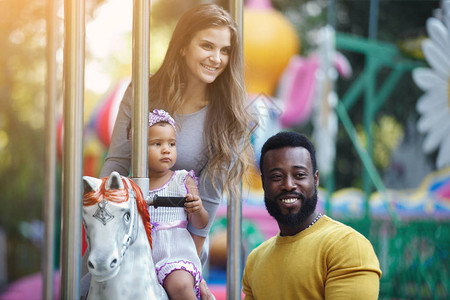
[207, 56]
[200, 83]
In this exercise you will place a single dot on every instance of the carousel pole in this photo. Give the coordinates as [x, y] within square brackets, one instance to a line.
[72, 160]
[48, 252]
[140, 75]
[234, 206]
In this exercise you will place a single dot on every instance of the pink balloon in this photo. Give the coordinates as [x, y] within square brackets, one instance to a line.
[299, 90]
[106, 116]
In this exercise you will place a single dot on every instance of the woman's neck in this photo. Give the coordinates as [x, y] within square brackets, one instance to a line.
[194, 99]
[158, 179]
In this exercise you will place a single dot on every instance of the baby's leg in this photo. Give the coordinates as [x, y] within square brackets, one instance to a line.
[179, 284]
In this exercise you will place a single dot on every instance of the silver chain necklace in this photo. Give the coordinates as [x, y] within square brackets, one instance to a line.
[315, 220]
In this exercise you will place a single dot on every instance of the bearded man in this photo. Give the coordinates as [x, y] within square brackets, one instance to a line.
[313, 256]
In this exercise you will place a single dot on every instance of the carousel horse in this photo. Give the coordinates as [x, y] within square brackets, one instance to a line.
[118, 234]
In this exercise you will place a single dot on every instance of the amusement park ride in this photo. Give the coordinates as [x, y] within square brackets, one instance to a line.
[114, 274]
[72, 158]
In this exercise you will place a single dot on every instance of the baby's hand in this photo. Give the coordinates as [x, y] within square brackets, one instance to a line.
[197, 214]
[193, 204]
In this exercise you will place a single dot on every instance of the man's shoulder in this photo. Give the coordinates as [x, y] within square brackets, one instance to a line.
[332, 227]
[345, 240]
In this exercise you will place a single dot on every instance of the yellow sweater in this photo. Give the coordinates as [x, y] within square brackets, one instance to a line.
[329, 260]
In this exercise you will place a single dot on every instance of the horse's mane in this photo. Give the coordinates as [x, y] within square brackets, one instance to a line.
[119, 196]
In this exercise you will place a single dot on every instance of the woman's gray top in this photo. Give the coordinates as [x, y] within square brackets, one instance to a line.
[190, 148]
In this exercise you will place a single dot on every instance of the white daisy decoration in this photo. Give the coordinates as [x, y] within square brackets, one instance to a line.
[434, 105]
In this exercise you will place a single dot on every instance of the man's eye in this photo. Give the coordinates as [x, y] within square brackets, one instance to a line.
[275, 177]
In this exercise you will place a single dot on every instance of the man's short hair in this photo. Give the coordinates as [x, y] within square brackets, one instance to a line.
[288, 139]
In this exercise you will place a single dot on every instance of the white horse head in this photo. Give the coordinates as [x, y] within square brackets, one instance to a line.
[118, 233]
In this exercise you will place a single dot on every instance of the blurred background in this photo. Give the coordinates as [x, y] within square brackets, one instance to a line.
[367, 80]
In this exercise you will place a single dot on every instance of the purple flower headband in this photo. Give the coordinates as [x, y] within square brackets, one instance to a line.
[159, 115]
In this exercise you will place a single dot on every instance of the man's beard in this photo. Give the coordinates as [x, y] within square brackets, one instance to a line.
[292, 219]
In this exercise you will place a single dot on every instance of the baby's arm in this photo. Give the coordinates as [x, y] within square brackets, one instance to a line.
[197, 214]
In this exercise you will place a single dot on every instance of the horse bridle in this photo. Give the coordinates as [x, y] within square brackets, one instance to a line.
[130, 236]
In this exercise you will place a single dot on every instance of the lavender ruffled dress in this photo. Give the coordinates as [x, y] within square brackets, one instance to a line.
[173, 246]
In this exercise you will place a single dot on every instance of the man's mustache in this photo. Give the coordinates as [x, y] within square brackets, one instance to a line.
[296, 194]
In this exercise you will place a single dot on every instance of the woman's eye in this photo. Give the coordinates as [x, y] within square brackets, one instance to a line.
[225, 51]
[126, 217]
[206, 46]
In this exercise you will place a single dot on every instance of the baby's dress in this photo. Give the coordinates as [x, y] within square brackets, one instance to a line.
[173, 246]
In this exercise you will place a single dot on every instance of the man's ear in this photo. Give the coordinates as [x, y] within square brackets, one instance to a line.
[262, 181]
[316, 178]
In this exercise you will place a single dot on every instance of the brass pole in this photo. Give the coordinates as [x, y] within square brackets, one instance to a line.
[72, 161]
[140, 75]
[48, 251]
[234, 206]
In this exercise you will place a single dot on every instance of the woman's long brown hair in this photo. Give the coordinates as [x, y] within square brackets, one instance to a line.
[229, 123]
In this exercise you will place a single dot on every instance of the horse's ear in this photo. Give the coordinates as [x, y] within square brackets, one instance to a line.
[90, 184]
[114, 182]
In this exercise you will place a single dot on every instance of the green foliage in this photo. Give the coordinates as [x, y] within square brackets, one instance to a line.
[413, 256]
[307, 17]
[22, 122]
[398, 22]
[21, 111]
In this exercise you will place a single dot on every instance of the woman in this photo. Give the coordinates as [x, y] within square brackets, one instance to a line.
[200, 83]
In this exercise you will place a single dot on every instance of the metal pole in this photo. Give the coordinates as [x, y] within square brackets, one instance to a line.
[331, 13]
[139, 120]
[234, 248]
[236, 9]
[48, 251]
[72, 167]
[234, 206]
[373, 19]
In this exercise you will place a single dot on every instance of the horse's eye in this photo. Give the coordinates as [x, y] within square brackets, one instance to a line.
[126, 217]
